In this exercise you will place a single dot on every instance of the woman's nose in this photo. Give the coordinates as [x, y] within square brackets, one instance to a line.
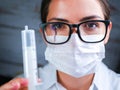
[74, 30]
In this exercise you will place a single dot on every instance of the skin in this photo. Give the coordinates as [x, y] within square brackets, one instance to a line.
[71, 12]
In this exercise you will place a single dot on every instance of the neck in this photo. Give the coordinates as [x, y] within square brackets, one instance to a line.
[72, 83]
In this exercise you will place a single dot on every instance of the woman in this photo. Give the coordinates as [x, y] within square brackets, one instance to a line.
[75, 33]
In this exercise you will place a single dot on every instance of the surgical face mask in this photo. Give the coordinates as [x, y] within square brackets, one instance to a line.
[75, 57]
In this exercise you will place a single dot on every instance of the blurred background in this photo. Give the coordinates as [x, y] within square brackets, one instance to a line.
[113, 46]
[15, 14]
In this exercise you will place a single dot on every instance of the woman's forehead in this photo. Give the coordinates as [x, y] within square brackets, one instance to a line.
[74, 9]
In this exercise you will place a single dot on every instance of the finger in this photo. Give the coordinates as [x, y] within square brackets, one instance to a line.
[10, 86]
[15, 84]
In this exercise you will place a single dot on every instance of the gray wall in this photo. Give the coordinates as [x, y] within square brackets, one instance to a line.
[14, 15]
[113, 47]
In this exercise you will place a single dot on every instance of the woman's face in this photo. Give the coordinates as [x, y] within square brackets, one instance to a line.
[75, 11]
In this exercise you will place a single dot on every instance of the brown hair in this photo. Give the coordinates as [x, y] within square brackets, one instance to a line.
[106, 8]
[45, 7]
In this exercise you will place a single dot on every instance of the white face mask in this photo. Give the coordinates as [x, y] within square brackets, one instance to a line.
[75, 57]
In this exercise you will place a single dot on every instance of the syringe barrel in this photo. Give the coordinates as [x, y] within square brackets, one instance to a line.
[29, 57]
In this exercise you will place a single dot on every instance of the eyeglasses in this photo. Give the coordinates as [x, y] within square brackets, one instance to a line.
[60, 32]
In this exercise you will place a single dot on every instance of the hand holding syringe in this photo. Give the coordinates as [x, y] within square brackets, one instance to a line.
[29, 57]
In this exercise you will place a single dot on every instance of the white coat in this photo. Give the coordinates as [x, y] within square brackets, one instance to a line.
[105, 79]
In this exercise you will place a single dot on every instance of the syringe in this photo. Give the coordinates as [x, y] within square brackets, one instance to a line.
[29, 57]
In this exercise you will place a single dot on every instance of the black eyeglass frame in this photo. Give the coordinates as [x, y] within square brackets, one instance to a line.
[106, 22]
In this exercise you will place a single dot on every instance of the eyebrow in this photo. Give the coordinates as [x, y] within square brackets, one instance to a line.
[81, 20]
[58, 19]
[90, 18]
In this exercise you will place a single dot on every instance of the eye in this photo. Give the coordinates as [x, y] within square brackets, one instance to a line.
[91, 25]
[57, 26]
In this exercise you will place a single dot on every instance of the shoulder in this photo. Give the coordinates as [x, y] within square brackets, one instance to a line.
[106, 78]
[110, 73]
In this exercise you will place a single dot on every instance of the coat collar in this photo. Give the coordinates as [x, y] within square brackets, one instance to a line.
[48, 75]
[102, 77]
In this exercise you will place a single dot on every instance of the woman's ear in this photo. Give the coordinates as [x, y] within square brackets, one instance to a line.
[40, 31]
[108, 33]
